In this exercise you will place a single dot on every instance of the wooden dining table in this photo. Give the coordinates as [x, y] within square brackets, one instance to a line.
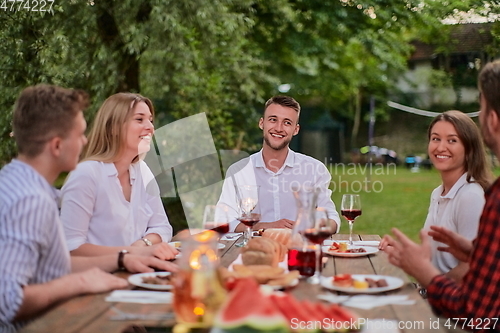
[93, 314]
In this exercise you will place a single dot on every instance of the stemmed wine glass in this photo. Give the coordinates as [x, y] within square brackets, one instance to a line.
[215, 218]
[319, 228]
[249, 214]
[350, 209]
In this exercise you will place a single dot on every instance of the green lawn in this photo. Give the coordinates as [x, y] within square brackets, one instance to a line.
[398, 197]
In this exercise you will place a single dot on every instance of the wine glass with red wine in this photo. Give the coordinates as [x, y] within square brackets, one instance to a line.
[350, 209]
[249, 213]
[215, 218]
[320, 227]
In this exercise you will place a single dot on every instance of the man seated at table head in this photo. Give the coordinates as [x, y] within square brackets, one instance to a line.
[278, 171]
[35, 265]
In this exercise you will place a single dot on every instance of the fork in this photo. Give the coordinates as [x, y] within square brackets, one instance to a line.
[122, 315]
[232, 236]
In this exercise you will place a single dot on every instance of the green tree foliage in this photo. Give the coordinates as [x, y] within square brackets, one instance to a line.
[222, 57]
[189, 56]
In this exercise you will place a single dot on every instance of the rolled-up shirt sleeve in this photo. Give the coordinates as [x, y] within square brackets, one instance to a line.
[323, 179]
[228, 199]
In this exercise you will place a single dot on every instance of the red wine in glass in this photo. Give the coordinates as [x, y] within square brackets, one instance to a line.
[217, 227]
[350, 214]
[249, 220]
[317, 236]
[302, 261]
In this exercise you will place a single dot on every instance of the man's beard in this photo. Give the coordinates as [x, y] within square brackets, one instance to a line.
[279, 147]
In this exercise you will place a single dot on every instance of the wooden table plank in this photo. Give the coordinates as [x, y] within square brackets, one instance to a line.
[71, 316]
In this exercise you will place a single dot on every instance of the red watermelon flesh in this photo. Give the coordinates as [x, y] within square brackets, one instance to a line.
[246, 306]
[341, 314]
[282, 305]
[322, 309]
[289, 304]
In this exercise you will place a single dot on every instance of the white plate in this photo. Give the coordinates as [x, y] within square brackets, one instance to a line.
[291, 284]
[392, 283]
[368, 249]
[136, 280]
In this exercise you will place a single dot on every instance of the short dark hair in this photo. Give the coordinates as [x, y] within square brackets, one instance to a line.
[42, 112]
[489, 85]
[285, 101]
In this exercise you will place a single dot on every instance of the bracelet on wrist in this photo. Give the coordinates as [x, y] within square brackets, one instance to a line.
[147, 242]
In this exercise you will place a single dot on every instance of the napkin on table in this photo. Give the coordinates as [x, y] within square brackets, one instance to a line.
[366, 302]
[140, 296]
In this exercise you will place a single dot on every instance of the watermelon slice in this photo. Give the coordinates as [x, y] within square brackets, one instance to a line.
[246, 307]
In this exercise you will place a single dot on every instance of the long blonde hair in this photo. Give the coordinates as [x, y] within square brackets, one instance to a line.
[107, 135]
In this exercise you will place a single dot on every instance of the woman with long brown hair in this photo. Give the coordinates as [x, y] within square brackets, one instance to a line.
[456, 150]
[105, 207]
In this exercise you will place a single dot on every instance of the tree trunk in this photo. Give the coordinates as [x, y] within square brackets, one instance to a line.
[357, 118]
[128, 63]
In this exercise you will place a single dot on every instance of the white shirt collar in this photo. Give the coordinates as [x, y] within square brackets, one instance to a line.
[456, 187]
[289, 161]
[111, 171]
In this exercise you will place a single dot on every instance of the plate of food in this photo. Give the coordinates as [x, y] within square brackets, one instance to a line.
[361, 283]
[154, 280]
[341, 249]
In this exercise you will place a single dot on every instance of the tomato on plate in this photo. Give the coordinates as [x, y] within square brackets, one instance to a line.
[342, 277]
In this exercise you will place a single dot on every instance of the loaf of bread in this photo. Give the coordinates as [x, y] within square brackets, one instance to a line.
[263, 251]
[281, 235]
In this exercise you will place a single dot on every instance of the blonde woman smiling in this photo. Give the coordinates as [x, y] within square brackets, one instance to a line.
[105, 207]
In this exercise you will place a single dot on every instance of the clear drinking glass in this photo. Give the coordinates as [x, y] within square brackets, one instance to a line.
[215, 217]
[350, 210]
[198, 288]
[320, 228]
[247, 197]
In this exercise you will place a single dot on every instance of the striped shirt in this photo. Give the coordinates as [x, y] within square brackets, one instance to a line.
[32, 246]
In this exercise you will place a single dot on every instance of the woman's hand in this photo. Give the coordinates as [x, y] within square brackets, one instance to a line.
[385, 242]
[161, 251]
[145, 264]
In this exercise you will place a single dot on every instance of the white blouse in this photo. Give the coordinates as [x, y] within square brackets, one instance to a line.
[94, 209]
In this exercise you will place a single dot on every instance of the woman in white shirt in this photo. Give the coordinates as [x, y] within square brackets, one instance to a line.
[105, 207]
[456, 150]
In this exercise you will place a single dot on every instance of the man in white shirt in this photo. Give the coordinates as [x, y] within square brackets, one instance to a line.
[278, 171]
[36, 270]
